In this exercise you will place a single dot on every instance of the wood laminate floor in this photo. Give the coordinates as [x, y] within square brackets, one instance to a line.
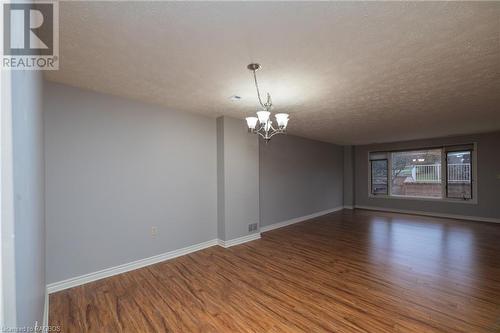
[350, 271]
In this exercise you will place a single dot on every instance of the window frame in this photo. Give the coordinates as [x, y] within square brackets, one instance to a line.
[444, 163]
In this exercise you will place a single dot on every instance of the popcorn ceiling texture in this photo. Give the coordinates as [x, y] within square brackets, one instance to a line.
[347, 72]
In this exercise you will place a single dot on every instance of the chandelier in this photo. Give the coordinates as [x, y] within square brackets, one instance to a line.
[263, 124]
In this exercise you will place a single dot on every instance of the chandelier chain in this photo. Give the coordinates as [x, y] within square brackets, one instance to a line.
[266, 105]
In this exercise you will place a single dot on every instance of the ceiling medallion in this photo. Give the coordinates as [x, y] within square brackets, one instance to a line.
[262, 124]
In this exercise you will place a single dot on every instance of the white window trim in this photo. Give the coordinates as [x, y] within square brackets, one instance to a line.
[472, 201]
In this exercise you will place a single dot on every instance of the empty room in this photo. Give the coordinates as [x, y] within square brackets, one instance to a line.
[250, 166]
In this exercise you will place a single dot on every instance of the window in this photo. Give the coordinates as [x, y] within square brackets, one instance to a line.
[437, 173]
[379, 177]
[459, 175]
[416, 173]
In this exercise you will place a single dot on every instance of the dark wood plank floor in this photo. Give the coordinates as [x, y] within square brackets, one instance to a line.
[349, 271]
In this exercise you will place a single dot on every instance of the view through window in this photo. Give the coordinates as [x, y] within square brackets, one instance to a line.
[417, 173]
[459, 175]
[425, 173]
[379, 177]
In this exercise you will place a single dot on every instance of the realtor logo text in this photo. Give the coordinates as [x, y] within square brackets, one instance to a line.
[30, 36]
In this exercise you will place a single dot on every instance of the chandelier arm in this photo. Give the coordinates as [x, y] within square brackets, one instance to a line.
[261, 127]
[271, 126]
[267, 135]
[262, 130]
[264, 136]
[274, 133]
[271, 131]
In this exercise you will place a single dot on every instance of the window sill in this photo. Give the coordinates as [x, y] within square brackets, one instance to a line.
[400, 197]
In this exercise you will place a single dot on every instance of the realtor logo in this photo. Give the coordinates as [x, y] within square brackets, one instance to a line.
[30, 36]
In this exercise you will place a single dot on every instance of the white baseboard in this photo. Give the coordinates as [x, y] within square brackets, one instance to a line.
[348, 207]
[79, 280]
[82, 279]
[418, 212]
[46, 310]
[239, 240]
[298, 219]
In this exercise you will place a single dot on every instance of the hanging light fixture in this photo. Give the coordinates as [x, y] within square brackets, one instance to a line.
[263, 124]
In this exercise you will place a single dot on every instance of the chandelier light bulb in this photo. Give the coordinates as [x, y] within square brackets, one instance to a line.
[281, 119]
[263, 116]
[285, 123]
[251, 122]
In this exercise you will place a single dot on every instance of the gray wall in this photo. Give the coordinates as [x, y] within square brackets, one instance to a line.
[238, 178]
[221, 205]
[298, 177]
[29, 223]
[114, 169]
[488, 177]
[348, 176]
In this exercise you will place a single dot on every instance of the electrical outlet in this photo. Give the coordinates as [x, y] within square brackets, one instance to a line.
[154, 231]
[252, 227]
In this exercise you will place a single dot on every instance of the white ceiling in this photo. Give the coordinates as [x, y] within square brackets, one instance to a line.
[347, 72]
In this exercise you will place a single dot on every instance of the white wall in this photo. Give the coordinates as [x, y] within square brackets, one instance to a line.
[7, 248]
[299, 177]
[114, 169]
[29, 205]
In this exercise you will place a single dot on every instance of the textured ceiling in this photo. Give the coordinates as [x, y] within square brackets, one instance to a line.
[347, 72]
